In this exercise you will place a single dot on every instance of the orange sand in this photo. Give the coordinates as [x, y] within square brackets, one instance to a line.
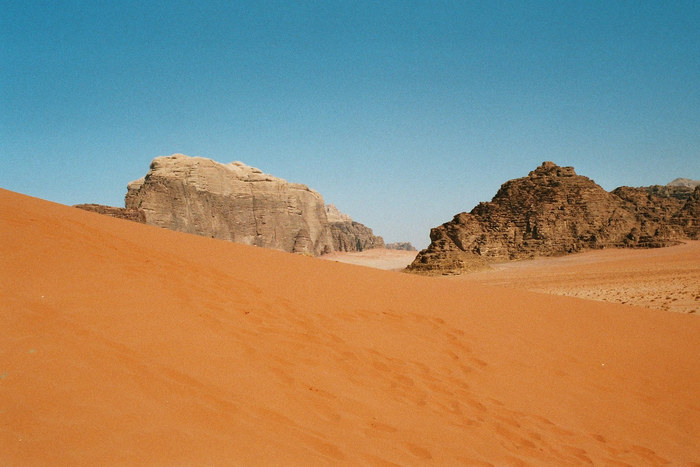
[122, 343]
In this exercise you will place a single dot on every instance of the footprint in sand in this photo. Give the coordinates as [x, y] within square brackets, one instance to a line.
[376, 425]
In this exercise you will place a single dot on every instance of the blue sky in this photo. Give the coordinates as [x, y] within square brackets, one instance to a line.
[400, 113]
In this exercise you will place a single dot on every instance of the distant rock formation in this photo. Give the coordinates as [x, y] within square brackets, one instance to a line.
[135, 215]
[684, 182]
[239, 203]
[680, 188]
[554, 211]
[349, 235]
[353, 236]
[405, 246]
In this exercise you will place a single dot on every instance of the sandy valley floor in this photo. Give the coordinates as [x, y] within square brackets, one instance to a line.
[379, 258]
[662, 278]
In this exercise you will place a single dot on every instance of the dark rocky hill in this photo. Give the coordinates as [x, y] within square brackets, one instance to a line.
[554, 211]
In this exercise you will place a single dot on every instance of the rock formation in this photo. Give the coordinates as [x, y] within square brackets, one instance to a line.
[554, 211]
[353, 236]
[688, 217]
[684, 182]
[680, 188]
[135, 215]
[349, 235]
[239, 203]
[334, 215]
[405, 246]
[231, 202]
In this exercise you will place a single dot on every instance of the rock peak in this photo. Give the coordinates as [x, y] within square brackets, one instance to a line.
[550, 169]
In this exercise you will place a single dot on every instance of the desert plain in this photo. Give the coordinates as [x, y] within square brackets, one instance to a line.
[658, 278]
[128, 344]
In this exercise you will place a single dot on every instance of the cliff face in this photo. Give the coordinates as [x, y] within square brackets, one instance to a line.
[231, 202]
[654, 211]
[239, 203]
[353, 236]
[349, 235]
[688, 217]
[553, 211]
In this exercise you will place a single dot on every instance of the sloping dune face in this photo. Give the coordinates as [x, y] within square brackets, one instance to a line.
[128, 344]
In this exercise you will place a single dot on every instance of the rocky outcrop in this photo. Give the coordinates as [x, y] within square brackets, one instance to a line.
[135, 215]
[404, 246]
[349, 235]
[653, 211]
[553, 211]
[680, 190]
[688, 217]
[334, 215]
[353, 236]
[239, 203]
[232, 202]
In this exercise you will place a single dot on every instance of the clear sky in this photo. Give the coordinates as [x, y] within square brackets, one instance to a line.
[401, 113]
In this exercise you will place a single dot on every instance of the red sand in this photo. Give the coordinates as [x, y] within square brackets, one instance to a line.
[128, 344]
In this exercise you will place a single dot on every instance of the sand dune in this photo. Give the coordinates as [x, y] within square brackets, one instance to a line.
[127, 344]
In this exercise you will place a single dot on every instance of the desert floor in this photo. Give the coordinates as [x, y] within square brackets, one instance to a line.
[127, 344]
[661, 278]
[379, 258]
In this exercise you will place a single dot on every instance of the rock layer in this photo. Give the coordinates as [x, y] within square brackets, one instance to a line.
[554, 211]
